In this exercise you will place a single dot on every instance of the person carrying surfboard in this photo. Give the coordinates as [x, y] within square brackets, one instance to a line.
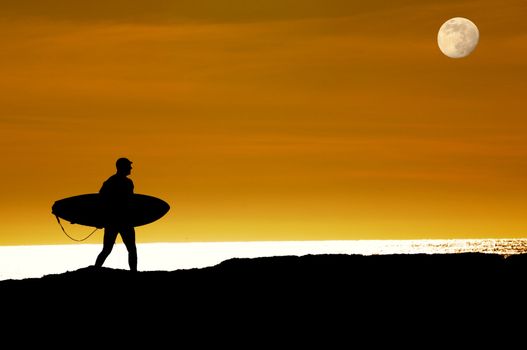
[117, 192]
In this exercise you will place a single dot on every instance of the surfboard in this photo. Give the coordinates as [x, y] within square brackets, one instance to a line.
[91, 210]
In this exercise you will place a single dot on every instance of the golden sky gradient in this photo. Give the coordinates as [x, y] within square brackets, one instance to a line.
[266, 120]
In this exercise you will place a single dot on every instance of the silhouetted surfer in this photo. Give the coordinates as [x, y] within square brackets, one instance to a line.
[117, 191]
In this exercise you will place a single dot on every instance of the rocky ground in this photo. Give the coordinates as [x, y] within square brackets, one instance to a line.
[332, 295]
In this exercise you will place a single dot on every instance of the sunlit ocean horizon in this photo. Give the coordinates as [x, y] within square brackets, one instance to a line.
[19, 262]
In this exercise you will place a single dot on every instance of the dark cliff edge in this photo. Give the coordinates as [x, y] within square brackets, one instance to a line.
[383, 291]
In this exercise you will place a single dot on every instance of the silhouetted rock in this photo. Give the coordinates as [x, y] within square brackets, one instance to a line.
[383, 291]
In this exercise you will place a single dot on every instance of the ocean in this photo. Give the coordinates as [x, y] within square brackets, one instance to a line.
[19, 262]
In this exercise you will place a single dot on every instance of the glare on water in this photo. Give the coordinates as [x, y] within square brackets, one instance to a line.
[17, 262]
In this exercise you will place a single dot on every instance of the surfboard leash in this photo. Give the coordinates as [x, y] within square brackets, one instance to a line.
[74, 239]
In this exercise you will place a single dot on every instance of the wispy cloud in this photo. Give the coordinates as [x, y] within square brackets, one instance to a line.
[192, 10]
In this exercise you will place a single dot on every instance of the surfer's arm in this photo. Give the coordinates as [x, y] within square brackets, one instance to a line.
[103, 189]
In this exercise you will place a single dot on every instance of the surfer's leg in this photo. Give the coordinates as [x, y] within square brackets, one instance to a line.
[110, 234]
[128, 235]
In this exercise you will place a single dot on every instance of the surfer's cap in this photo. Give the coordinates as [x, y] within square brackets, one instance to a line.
[122, 162]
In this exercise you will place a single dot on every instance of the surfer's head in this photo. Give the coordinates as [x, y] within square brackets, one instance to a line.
[124, 166]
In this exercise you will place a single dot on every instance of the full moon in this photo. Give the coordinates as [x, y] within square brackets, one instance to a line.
[458, 37]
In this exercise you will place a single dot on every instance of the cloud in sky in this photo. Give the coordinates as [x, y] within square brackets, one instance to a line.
[196, 10]
[280, 110]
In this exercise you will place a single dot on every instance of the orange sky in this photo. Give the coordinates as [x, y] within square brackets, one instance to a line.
[277, 120]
